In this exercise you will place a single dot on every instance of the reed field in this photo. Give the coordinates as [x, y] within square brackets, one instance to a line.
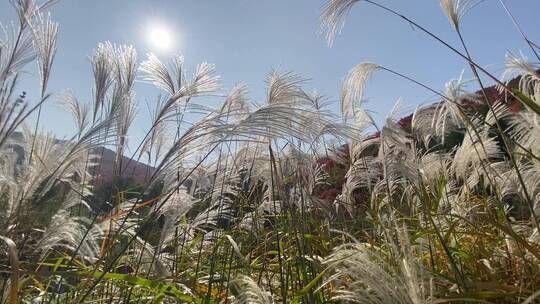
[293, 199]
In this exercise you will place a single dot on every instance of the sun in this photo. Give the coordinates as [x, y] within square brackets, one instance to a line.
[160, 38]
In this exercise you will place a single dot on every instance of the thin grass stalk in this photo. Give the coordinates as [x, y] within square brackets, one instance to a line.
[518, 28]
[211, 190]
[300, 243]
[213, 258]
[273, 170]
[504, 138]
[444, 43]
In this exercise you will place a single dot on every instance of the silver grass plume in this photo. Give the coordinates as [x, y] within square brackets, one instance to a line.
[361, 273]
[69, 232]
[364, 173]
[205, 222]
[432, 167]
[205, 80]
[286, 114]
[157, 73]
[102, 71]
[529, 82]
[26, 9]
[333, 17]
[71, 158]
[236, 103]
[226, 187]
[173, 210]
[45, 33]
[125, 64]
[189, 145]
[283, 87]
[456, 9]
[78, 110]
[124, 60]
[525, 129]
[476, 150]
[286, 120]
[352, 91]
[248, 292]
[331, 125]
[284, 117]
[156, 142]
[32, 179]
[448, 117]
[15, 51]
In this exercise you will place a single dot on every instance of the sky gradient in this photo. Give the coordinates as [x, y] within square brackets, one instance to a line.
[246, 38]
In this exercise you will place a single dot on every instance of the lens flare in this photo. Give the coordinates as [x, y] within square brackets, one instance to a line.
[160, 38]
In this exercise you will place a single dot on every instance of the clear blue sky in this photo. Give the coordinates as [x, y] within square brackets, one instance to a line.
[245, 38]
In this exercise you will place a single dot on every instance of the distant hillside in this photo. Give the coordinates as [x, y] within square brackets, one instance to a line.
[337, 171]
[104, 171]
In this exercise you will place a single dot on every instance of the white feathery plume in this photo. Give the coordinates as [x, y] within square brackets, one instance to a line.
[211, 216]
[178, 68]
[226, 188]
[65, 162]
[177, 205]
[500, 111]
[331, 124]
[205, 222]
[456, 89]
[473, 153]
[236, 102]
[158, 74]
[456, 9]
[248, 292]
[45, 33]
[26, 9]
[157, 141]
[32, 179]
[251, 221]
[102, 72]
[529, 82]
[124, 60]
[283, 87]
[445, 116]
[14, 53]
[77, 109]
[422, 124]
[333, 17]
[205, 80]
[189, 145]
[360, 273]
[433, 167]
[525, 129]
[352, 92]
[364, 173]
[510, 185]
[69, 232]
[173, 210]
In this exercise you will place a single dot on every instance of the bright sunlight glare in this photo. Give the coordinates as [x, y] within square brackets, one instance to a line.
[160, 38]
